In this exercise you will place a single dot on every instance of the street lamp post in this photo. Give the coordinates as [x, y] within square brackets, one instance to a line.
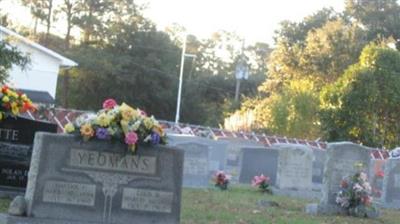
[178, 103]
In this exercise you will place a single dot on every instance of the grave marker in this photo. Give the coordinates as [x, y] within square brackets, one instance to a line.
[75, 182]
[294, 167]
[258, 160]
[340, 162]
[391, 184]
[195, 168]
[16, 140]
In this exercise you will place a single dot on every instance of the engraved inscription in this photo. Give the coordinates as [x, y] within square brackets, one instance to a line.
[147, 200]
[295, 173]
[396, 180]
[113, 161]
[9, 134]
[69, 193]
[195, 166]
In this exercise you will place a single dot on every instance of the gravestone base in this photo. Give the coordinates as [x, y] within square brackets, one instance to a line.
[302, 194]
[323, 209]
[8, 219]
[391, 205]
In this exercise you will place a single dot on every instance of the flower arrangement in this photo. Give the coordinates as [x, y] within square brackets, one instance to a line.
[13, 102]
[221, 180]
[119, 122]
[355, 195]
[262, 182]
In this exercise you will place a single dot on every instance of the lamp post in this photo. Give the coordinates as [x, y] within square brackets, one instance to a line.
[178, 101]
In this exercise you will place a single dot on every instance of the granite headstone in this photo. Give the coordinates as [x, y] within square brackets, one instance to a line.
[391, 184]
[232, 164]
[217, 149]
[318, 168]
[340, 162]
[195, 168]
[256, 161]
[75, 182]
[16, 140]
[294, 167]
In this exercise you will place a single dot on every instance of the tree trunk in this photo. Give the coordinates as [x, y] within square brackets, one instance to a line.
[48, 21]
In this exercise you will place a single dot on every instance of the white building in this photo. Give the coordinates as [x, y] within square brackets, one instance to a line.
[41, 74]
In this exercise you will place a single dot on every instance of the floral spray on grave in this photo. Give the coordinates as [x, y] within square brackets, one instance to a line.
[13, 102]
[221, 180]
[119, 122]
[262, 183]
[355, 196]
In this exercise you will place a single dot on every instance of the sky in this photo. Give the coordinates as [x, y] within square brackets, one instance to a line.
[253, 20]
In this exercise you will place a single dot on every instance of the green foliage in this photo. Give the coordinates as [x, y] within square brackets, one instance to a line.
[363, 105]
[10, 56]
[380, 18]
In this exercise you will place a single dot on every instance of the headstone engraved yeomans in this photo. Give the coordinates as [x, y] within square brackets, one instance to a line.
[195, 166]
[258, 160]
[294, 167]
[16, 140]
[75, 182]
[391, 184]
[341, 160]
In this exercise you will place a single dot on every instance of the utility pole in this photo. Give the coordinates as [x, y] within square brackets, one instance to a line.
[241, 72]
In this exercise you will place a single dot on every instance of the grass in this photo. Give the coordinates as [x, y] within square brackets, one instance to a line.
[239, 205]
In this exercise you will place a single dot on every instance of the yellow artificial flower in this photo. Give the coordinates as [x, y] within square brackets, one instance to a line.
[5, 99]
[68, 128]
[103, 120]
[127, 112]
[14, 108]
[24, 98]
[132, 148]
[148, 122]
[1, 116]
[125, 126]
[87, 131]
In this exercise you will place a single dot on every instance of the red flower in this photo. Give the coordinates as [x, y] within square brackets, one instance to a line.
[4, 89]
[109, 104]
[380, 173]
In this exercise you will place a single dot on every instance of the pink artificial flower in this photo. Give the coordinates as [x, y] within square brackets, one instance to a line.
[109, 104]
[131, 138]
[257, 180]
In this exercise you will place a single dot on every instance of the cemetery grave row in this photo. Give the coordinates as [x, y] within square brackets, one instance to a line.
[68, 176]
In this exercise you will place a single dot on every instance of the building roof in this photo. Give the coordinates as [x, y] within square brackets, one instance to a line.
[38, 96]
[64, 61]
